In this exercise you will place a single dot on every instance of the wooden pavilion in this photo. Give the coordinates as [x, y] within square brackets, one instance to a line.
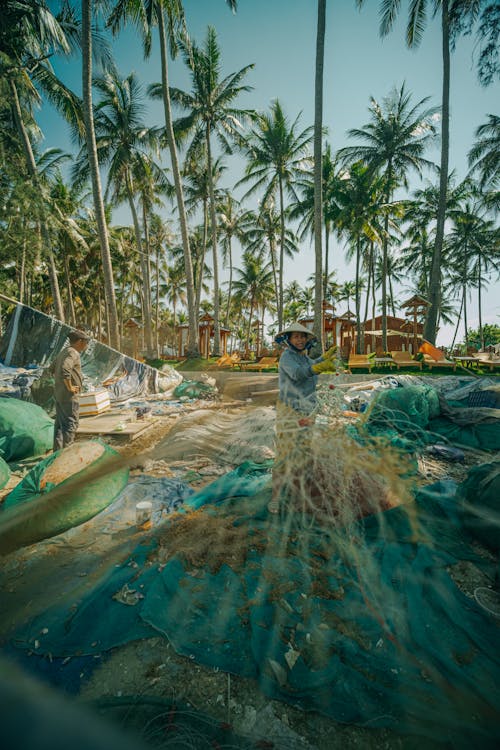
[206, 335]
[337, 329]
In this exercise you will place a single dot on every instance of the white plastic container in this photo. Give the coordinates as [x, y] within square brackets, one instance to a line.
[144, 514]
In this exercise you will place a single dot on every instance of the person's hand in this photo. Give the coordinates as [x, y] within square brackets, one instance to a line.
[326, 366]
[331, 352]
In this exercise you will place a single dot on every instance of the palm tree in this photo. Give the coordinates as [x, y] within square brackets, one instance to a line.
[197, 191]
[160, 240]
[394, 141]
[211, 112]
[123, 143]
[65, 203]
[484, 156]
[473, 244]
[457, 17]
[358, 218]
[347, 291]
[332, 187]
[262, 235]
[276, 156]
[420, 216]
[30, 36]
[232, 224]
[145, 14]
[293, 292]
[90, 142]
[254, 285]
[174, 288]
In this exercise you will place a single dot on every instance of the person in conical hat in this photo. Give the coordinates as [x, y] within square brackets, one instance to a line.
[298, 372]
[298, 377]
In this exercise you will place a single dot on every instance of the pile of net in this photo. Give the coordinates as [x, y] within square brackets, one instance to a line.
[227, 438]
[343, 602]
[449, 410]
[25, 430]
[62, 491]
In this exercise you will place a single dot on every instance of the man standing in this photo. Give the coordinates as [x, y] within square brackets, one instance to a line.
[67, 385]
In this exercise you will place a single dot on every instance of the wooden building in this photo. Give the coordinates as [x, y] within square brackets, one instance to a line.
[337, 329]
[206, 337]
[403, 335]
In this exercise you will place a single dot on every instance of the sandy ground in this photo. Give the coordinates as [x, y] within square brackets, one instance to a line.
[51, 570]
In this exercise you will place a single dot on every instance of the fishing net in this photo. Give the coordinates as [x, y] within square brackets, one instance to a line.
[343, 602]
[194, 389]
[25, 430]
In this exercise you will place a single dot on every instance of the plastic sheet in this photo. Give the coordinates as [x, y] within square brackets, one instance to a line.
[34, 339]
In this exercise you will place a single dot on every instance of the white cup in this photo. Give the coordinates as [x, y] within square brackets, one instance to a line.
[143, 514]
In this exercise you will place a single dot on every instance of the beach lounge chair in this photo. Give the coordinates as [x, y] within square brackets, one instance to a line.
[404, 359]
[443, 362]
[223, 361]
[359, 360]
[263, 364]
[487, 360]
[434, 357]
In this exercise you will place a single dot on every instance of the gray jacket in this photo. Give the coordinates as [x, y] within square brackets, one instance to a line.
[297, 381]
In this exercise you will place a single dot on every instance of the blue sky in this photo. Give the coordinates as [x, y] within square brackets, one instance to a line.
[279, 37]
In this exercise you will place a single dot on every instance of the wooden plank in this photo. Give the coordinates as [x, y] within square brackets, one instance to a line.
[107, 424]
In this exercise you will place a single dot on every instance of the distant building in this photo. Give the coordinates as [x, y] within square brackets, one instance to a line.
[401, 334]
[206, 336]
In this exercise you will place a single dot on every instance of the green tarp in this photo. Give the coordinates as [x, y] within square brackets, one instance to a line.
[4, 473]
[25, 430]
[78, 499]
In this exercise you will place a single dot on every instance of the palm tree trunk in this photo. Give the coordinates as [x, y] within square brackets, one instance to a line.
[391, 292]
[479, 302]
[213, 226]
[435, 278]
[249, 328]
[148, 333]
[384, 268]
[88, 116]
[282, 256]
[327, 253]
[374, 307]
[193, 347]
[71, 306]
[359, 344]
[464, 297]
[458, 323]
[318, 173]
[157, 301]
[147, 261]
[230, 286]
[99, 315]
[368, 287]
[199, 274]
[31, 164]
[22, 274]
[272, 250]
